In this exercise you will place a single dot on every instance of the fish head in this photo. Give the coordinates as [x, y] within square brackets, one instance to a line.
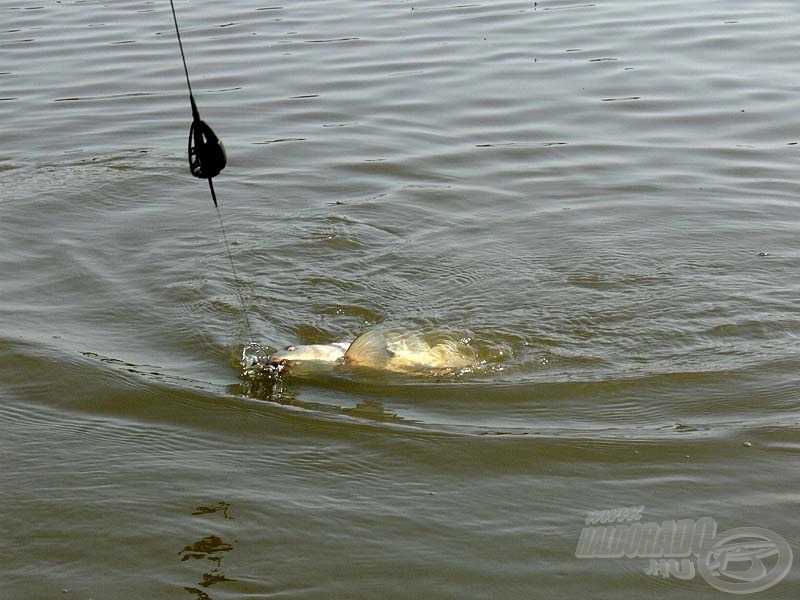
[321, 353]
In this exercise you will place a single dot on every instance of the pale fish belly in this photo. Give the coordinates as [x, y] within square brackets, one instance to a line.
[326, 353]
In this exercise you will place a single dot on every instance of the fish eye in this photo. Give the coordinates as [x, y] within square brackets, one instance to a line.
[290, 348]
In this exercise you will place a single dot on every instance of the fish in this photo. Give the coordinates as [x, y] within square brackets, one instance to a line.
[381, 350]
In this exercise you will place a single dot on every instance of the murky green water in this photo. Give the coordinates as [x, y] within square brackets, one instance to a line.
[601, 197]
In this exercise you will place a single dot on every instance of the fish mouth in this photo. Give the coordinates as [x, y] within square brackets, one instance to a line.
[256, 362]
[277, 361]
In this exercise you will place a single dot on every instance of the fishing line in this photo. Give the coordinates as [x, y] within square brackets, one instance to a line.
[207, 158]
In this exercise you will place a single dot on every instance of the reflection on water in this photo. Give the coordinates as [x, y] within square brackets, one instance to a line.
[219, 506]
[211, 548]
[286, 391]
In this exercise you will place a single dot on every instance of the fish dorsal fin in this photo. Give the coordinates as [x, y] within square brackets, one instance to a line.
[369, 350]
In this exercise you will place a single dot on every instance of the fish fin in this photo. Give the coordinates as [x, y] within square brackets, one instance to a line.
[369, 350]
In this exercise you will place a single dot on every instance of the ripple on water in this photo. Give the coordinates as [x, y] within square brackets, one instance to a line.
[581, 205]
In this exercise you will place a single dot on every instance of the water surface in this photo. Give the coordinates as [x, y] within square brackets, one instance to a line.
[600, 197]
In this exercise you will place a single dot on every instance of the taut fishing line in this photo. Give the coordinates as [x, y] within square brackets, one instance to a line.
[206, 159]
